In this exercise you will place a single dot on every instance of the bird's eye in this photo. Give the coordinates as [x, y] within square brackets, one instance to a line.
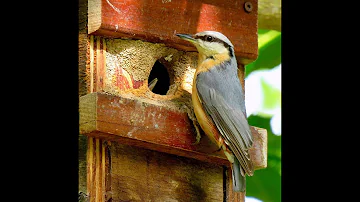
[209, 38]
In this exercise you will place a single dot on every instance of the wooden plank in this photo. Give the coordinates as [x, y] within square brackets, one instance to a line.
[96, 172]
[158, 21]
[146, 125]
[100, 64]
[103, 172]
[108, 165]
[82, 163]
[145, 175]
[92, 74]
[90, 169]
[83, 48]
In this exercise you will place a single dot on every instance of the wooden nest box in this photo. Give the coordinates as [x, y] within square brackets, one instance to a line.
[139, 138]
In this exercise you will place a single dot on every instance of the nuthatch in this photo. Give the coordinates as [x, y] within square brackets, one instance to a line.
[219, 103]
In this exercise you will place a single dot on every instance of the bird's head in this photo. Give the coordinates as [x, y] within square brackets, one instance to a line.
[210, 43]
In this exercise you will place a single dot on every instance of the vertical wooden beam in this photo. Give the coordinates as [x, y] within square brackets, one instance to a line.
[90, 169]
[103, 170]
[82, 163]
[103, 61]
[91, 64]
[107, 173]
[83, 49]
[96, 170]
[99, 64]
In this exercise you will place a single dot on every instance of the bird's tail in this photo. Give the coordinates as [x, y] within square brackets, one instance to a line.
[239, 181]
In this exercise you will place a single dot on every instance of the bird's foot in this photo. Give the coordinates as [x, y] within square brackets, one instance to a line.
[198, 135]
[192, 117]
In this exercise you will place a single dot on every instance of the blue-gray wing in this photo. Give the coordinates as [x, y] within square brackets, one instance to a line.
[229, 120]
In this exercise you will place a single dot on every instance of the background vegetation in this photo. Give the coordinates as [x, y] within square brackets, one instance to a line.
[263, 100]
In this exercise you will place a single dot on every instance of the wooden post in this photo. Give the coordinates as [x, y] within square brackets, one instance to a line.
[140, 144]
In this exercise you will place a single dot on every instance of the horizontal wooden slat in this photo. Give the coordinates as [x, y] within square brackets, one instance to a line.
[159, 20]
[134, 122]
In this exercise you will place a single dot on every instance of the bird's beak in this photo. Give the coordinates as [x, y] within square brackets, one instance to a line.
[187, 37]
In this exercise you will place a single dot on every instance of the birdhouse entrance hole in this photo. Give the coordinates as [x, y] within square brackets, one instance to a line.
[159, 79]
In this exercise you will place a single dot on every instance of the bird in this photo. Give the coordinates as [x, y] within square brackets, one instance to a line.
[219, 102]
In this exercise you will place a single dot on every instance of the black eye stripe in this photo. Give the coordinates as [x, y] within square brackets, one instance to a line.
[201, 37]
[214, 39]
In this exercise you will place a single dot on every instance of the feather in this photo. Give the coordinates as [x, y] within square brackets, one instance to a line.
[227, 115]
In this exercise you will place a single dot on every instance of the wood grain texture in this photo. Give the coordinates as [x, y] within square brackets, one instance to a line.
[82, 163]
[96, 170]
[158, 21]
[144, 175]
[145, 125]
[83, 48]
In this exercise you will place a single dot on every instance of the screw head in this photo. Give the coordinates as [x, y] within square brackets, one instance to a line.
[248, 6]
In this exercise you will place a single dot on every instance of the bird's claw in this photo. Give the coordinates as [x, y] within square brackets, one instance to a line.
[192, 117]
[198, 135]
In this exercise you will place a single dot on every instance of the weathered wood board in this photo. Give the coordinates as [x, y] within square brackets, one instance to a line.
[159, 20]
[82, 163]
[146, 125]
[146, 175]
[117, 172]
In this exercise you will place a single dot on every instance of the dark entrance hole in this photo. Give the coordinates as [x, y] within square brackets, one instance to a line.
[160, 72]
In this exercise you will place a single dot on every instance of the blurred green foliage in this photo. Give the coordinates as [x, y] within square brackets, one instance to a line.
[266, 183]
[269, 55]
[271, 96]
